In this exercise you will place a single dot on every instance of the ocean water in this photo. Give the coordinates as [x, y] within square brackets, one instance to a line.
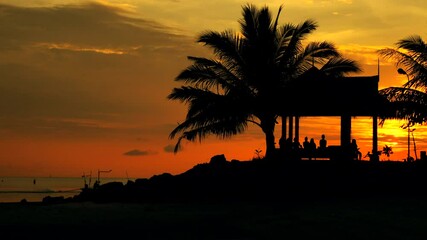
[14, 189]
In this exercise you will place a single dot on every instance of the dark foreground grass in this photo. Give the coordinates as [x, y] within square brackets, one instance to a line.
[380, 217]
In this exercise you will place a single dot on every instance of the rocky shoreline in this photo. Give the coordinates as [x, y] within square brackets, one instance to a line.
[264, 180]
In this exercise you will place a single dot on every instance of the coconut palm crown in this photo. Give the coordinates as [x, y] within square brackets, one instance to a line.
[249, 73]
[409, 101]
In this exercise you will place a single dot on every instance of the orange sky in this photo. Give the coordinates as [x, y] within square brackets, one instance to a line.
[84, 83]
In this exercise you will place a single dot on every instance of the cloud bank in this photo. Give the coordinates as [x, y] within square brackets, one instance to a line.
[88, 62]
[136, 153]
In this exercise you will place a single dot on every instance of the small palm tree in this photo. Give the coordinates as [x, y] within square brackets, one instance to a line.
[258, 155]
[387, 150]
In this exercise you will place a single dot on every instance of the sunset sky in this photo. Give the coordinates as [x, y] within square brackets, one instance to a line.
[84, 84]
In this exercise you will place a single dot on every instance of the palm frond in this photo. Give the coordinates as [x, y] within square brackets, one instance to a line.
[322, 50]
[276, 21]
[339, 67]
[405, 103]
[220, 129]
[212, 115]
[249, 22]
[208, 73]
[299, 33]
[413, 44]
[225, 45]
[313, 53]
[401, 58]
[205, 107]
[411, 55]
[187, 93]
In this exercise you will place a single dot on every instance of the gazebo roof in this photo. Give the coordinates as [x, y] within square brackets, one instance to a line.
[320, 95]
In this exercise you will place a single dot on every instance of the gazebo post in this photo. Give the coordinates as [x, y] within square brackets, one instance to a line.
[297, 127]
[291, 126]
[284, 120]
[283, 137]
[345, 132]
[375, 156]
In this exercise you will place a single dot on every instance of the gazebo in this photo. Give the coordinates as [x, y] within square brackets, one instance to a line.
[346, 97]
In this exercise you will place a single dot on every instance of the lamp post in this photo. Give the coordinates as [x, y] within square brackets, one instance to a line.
[403, 72]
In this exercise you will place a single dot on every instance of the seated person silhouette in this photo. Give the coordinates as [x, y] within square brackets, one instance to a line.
[288, 144]
[296, 145]
[322, 143]
[311, 148]
[355, 149]
[312, 145]
[306, 144]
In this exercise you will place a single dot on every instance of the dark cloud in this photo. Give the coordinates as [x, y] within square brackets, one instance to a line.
[136, 153]
[169, 148]
[86, 25]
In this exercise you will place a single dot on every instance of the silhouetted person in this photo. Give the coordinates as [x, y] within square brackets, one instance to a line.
[355, 149]
[310, 148]
[323, 143]
[306, 144]
[34, 181]
[296, 145]
[369, 155]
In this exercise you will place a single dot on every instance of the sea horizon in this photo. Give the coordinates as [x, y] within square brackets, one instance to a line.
[34, 189]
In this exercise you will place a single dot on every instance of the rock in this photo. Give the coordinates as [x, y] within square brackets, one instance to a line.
[218, 160]
[112, 185]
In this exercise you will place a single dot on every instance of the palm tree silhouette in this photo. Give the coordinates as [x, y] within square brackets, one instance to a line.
[410, 100]
[387, 150]
[251, 71]
[238, 87]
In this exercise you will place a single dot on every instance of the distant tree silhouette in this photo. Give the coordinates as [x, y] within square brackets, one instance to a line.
[409, 101]
[387, 150]
[258, 155]
[250, 73]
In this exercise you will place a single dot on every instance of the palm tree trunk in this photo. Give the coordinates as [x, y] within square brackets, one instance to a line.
[268, 129]
[283, 137]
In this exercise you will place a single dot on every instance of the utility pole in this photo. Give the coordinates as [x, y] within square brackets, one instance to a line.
[403, 72]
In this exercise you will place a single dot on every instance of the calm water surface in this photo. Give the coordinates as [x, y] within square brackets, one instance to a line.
[14, 189]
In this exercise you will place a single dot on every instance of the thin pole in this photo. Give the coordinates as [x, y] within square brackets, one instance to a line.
[415, 147]
[375, 138]
[409, 143]
[403, 72]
